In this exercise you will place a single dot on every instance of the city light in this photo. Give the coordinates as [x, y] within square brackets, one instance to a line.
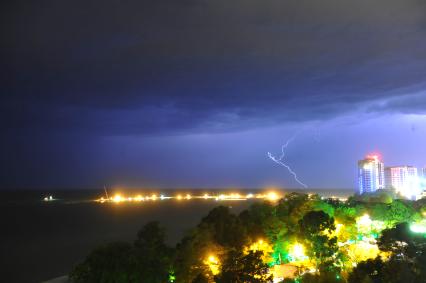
[419, 227]
[406, 181]
[297, 253]
[272, 196]
[213, 263]
[118, 198]
[364, 223]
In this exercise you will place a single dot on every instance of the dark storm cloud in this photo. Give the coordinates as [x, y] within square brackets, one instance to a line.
[130, 67]
[413, 104]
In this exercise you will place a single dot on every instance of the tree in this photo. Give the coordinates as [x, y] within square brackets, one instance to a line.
[154, 256]
[392, 271]
[293, 207]
[316, 227]
[402, 242]
[367, 271]
[260, 221]
[218, 232]
[201, 278]
[241, 268]
[407, 262]
[323, 277]
[226, 228]
[148, 260]
[111, 263]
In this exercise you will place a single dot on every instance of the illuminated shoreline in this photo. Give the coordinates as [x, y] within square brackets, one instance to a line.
[119, 198]
[268, 196]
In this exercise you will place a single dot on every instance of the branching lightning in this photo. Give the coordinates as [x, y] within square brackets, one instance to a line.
[280, 160]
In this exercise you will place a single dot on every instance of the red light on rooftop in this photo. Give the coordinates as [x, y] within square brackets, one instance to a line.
[373, 156]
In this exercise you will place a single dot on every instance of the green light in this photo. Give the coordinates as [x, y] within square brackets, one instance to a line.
[172, 277]
[418, 228]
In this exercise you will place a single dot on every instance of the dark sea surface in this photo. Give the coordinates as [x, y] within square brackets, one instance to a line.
[42, 240]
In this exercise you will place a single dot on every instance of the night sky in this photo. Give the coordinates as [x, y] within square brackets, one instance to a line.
[195, 93]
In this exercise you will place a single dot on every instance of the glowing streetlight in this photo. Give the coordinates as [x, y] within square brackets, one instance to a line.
[117, 198]
[297, 252]
[272, 196]
[213, 263]
[418, 228]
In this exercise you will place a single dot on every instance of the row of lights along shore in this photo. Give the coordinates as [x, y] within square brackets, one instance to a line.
[118, 198]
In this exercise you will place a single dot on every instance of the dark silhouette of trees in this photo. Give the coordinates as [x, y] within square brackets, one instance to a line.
[154, 256]
[201, 278]
[216, 234]
[407, 263]
[148, 260]
[111, 263]
[244, 268]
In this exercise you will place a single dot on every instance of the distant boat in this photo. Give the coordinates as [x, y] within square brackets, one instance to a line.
[48, 198]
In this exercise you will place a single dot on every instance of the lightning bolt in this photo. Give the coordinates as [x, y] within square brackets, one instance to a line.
[280, 159]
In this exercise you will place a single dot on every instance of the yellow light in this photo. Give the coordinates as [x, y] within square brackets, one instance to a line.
[213, 259]
[262, 246]
[298, 250]
[206, 196]
[179, 197]
[154, 197]
[249, 196]
[364, 224]
[339, 227]
[188, 196]
[272, 196]
[213, 263]
[364, 220]
[117, 198]
[362, 251]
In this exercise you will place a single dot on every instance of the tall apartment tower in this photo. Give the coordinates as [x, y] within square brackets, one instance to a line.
[404, 180]
[371, 174]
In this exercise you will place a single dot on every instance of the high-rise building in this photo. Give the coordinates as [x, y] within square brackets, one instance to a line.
[423, 179]
[371, 175]
[404, 180]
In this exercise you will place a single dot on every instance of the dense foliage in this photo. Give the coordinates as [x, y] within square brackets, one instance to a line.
[300, 238]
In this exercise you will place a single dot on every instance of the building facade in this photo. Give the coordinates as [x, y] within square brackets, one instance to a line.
[371, 175]
[423, 179]
[403, 180]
